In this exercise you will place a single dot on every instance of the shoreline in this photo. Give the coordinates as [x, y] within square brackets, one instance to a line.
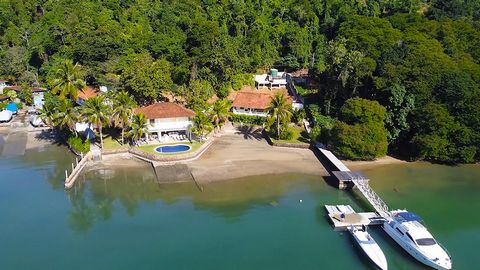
[369, 164]
[233, 156]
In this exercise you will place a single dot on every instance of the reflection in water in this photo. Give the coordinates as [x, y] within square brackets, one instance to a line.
[127, 217]
[131, 187]
[59, 159]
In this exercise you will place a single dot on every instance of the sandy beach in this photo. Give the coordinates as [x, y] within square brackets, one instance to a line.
[362, 164]
[238, 155]
[234, 155]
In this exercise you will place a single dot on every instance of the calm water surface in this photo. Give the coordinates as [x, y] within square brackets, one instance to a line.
[123, 219]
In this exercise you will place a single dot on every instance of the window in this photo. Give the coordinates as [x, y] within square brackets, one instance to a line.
[152, 122]
[399, 231]
[426, 242]
[411, 238]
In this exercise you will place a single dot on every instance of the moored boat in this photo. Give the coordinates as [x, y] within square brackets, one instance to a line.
[408, 231]
[368, 245]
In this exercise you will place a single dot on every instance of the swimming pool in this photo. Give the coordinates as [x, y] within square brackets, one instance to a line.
[173, 148]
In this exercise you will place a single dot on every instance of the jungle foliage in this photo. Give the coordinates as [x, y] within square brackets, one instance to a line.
[420, 59]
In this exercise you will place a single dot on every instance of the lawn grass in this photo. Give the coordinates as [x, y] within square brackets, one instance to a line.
[151, 147]
[300, 136]
[111, 143]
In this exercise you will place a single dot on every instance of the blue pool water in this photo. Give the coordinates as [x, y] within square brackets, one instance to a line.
[173, 148]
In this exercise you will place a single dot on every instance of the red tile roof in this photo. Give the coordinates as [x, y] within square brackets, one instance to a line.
[18, 88]
[87, 93]
[254, 100]
[165, 110]
[2, 98]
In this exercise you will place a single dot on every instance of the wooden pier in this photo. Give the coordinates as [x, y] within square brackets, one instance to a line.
[77, 167]
[349, 179]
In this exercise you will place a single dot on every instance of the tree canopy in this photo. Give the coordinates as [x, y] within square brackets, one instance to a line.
[417, 59]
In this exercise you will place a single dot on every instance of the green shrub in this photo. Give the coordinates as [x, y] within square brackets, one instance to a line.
[239, 80]
[223, 90]
[78, 145]
[298, 116]
[248, 119]
[3, 105]
[315, 133]
[19, 105]
[322, 125]
[26, 94]
[286, 132]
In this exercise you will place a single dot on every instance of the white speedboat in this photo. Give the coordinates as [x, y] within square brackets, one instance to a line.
[369, 246]
[408, 231]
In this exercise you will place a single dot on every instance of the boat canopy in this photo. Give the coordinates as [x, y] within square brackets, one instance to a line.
[408, 216]
[12, 107]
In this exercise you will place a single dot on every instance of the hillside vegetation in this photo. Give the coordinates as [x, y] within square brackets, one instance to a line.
[417, 61]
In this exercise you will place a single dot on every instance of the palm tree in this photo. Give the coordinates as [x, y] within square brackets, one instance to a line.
[68, 80]
[123, 108]
[138, 127]
[67, 116]
[48, 113]
[280, 110]
[96, 112]
[201, 125]
[220, 112]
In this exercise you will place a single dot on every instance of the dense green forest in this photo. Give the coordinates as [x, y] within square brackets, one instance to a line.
[410, 69]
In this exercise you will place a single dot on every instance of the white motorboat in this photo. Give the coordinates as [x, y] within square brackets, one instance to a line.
[369, 246]
[408, 231]
[6, 116]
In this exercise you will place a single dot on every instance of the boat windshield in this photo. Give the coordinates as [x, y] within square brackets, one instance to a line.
[426, 242]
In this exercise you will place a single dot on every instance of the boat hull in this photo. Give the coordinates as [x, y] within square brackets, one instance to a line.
[410, 249]
[370, 248]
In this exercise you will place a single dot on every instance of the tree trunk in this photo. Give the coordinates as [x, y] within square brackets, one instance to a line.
[278, 128]
[123, 141]
[101, 136]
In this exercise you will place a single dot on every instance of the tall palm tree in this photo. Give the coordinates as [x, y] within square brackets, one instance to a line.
[67, 116]
[123, 108]
[220, 112]
[68, 80]
[138, 127]
[96, 112]
[280, 110]
[201, 125]
[47, 114]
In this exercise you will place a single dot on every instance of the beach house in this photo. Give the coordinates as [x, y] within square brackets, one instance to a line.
[251, 103]
[167, 121]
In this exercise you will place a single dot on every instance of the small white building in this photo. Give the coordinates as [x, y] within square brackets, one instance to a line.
[272, 80]
[37, 93]
[166, 119]
[3, 84]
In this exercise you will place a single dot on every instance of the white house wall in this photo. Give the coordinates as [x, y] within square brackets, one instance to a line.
[169, 124]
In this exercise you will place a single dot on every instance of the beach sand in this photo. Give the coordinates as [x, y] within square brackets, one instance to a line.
[362, 165]
[235, 156]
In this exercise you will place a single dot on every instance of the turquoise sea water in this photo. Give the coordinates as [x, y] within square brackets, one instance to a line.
[122, 219]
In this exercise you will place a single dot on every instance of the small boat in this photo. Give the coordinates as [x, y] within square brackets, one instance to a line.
[369, 246]
[408, 231]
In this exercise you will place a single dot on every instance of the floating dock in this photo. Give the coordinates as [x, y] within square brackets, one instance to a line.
[350, 217]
